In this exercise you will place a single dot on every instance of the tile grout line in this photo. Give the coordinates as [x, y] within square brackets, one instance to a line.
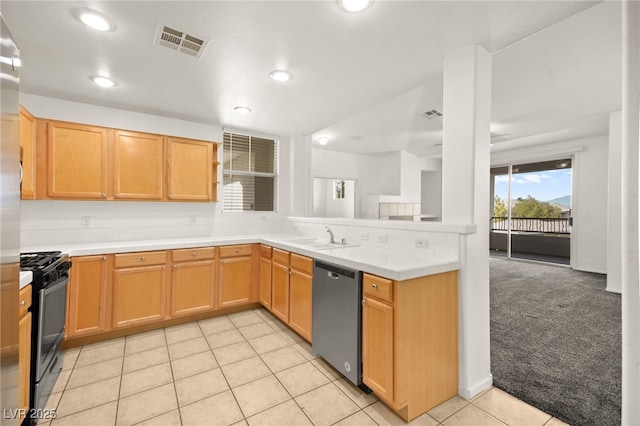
[173, 379]
[124, 351]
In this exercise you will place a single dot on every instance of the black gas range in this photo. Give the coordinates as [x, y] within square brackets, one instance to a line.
[48, 308]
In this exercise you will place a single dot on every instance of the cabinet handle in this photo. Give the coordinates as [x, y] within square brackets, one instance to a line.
[103, 195]
[175, 266]
[142, 258]
[237, 250]
[195, 254]
[104, 258]
[116, 195]
[374, 286]
[22, 303]
[164, 267]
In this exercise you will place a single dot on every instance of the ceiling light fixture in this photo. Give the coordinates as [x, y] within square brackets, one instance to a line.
[102, 81]
[354, 5]
[97, 21]
[323, 140]
[280, 75]
[242, 109]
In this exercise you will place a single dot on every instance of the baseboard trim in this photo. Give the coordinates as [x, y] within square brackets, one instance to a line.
[612, 290]
[470, 392]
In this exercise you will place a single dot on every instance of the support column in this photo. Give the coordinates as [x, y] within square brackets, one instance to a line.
[466, 200]
[614, 204]
[629, 196]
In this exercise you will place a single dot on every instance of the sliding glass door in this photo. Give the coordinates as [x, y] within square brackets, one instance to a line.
[531, 211]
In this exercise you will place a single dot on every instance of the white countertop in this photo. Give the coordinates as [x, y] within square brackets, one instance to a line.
[383, 262]
[25, 278]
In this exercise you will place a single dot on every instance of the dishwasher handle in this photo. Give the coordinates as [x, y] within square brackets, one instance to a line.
[339, 270]
[333, 275]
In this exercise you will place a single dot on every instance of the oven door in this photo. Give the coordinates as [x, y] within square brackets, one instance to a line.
[53, 302]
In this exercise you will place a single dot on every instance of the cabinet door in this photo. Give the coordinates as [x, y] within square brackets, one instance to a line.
[87, 296]
[192, 287]
[190, 170]
[28, 154]
[139, 295]
[300, 303]
[24, 362]
[377, 347]
[280, 291]
[265, 282]
[137, 166]
[234, 281]
[76, 161]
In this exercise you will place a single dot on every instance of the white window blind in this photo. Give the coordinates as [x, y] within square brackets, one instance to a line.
[249, 173]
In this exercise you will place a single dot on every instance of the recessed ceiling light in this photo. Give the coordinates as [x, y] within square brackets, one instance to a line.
[280, 75]
[97, 21]
[242, 109]
[354, 5]
[323, 140]
[102, 81]
[356, 138]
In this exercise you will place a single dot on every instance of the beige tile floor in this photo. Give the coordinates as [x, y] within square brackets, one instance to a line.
[238, 369]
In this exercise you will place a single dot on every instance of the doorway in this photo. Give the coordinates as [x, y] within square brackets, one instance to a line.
[531, 211]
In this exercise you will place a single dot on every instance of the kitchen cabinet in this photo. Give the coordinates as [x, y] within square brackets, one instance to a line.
[191, 170]
[280, 284]
[139, 288]
[138, 172]
[96, 163]
[88, 308]
[193, 281]
[300, 291]
[410, 341]
[235, 276]
[76, 161]
[27, 154]
[265, 276]
[24, 349]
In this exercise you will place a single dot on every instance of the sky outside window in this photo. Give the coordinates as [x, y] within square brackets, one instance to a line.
[543, 186]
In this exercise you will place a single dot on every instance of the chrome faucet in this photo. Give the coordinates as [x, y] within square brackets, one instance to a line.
[331, 240]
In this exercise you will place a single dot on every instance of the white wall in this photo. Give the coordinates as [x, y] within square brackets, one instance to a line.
[589, 204]
[49, 222]
[614, 209]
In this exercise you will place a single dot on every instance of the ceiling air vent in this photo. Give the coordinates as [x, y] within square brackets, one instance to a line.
[180, 41]
[430, 115]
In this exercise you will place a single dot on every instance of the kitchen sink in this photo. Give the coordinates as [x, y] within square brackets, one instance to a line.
[316, 244]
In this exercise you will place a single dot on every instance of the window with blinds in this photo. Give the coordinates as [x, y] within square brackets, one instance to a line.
[249, 173]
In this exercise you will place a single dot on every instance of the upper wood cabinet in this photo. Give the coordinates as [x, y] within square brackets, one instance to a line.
[137, 166]
[28, 154]
[84, 162]
[191, 170]
[76, 161]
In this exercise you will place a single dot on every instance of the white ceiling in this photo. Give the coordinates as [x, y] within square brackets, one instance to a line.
[348, 68]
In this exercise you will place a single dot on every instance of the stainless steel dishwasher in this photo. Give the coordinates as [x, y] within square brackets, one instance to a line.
[337, 318]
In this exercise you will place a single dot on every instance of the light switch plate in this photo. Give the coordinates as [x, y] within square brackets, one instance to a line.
[85, 222]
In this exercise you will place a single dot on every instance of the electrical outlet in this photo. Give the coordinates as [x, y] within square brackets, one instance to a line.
[422, 243]
[383, 238]
[193, 219]
[364, 236]
[85, 222]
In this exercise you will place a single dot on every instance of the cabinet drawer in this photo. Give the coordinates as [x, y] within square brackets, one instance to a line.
[302, 263]
[140, 259]
[265, 251]
[237, 250]
[377, 287]
[25, 300]
[185, 255]
[280, 256]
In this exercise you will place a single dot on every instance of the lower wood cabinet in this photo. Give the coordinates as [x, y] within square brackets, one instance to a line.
[24, 350]
[235, 276]
[193, 281]
[300, 293]
[88, 308]
[264, 296]
[280, 284]
[410, 341]
[139, 288]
